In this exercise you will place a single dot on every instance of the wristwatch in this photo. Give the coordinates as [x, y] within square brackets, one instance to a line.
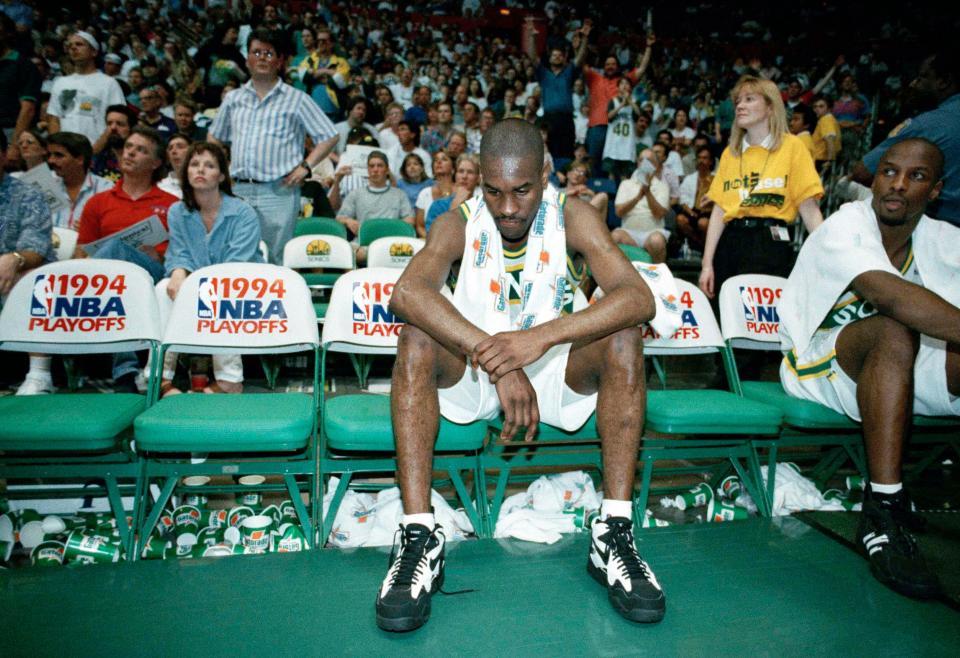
[21, 261]
[309, 169]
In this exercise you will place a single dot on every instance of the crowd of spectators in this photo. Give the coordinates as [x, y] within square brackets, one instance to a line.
[634, 105]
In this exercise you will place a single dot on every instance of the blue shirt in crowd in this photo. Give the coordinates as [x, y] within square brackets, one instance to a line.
[234, 237]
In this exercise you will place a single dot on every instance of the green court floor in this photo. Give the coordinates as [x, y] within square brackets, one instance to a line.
[745, 588]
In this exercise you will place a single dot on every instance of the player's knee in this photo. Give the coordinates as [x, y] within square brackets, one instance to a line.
[896, 340]
[620, 236]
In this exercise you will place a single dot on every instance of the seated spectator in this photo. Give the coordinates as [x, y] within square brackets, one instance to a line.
[184, 112]
[150, 116]
[695, 205]
[388, 135]
[176, 152]
[669, 176]
[33, 149]
[437, 137]
[24, 245]
[681, 131]
[377, 199]
[801, 121]
[69, 158]
[135, 198]
[120, 119]
[210, 226]
[577, 174]
[413, 177]
[673, 163]
[465, 183]
[356, 118]
[406, 145]
[442, 187]
[690, 159]
[642, 203]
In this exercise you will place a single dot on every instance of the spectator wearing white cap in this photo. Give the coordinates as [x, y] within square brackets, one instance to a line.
[78, 101]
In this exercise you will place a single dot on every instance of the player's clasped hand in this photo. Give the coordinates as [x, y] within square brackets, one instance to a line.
[519, 403]
[506, 351]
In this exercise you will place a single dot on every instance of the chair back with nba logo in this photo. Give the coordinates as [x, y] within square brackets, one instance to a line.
[77, 307]
[393, 251]
[242, 308]
[713, 423]
[356, 433]
[359, 320]
[748, 311]
[235, 308]
[81, 306]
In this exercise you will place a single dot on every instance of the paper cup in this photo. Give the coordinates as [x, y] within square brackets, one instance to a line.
[47, 554]
[719, 511]
[32, 534]
[256, 532]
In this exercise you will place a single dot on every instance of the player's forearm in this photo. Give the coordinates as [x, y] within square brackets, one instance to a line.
[427, 309]
[920, 309]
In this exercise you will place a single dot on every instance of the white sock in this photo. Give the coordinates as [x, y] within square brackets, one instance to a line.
[887, 489]
[610, 508]
[40, 365]
[425, 519]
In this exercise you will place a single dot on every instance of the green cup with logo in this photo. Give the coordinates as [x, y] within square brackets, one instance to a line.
[730, 487]
[273, 512]
[256, 533]
[719, 511]
[856, 482]
[155, 548]
[47, 554]
[290, 539]
[210, 536]
[288, 513]
[216, 518]
[650, 521]
[186, 524]
[699, 496]
[194, 495]
[6, 549]
[164, 525]
[251, 498]
[840, 497]
[236, 516]
[81, 546]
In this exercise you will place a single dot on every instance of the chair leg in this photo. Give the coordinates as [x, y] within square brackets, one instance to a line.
[297, 500]
[640, 507]
[464, 495]
[271, 369]
[331, 515]
[120, 516]
[165, 492]
[502, 478]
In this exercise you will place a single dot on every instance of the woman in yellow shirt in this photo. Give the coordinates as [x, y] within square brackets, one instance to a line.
[766, 176]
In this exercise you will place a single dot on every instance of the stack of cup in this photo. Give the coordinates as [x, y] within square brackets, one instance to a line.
[699, 496]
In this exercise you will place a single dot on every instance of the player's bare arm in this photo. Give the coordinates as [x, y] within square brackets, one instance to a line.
[916, 307]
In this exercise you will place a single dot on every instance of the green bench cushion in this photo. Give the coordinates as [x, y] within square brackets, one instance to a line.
[705, 411]
[260, 422]
[796, 412]
[550, 433]
[321, 279]
[67, 421]
[361, 423]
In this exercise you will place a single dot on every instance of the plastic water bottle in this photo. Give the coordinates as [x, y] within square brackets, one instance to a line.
[685, 250]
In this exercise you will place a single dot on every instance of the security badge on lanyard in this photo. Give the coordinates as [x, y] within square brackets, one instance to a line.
[779, 233]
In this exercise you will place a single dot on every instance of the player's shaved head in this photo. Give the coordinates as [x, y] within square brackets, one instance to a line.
[931, 153]
[512, 139]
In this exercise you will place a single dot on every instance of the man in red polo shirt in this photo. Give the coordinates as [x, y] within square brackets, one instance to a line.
[134, 198]
[602, 86]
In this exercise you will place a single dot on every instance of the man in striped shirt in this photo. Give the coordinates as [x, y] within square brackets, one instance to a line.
[266, 122]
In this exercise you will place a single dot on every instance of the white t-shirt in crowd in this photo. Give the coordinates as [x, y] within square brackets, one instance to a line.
[81, 101]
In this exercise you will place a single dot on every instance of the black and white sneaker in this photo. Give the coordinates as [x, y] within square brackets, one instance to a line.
[416, 572]
[892, 551]
[632, 588]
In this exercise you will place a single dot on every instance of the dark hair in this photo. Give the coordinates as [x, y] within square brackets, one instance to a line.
[809, 116]
[125, 111]
[403, 168]
[76, 145]
[226, 187]
[708, 150]
[356, 100]
[269, 37]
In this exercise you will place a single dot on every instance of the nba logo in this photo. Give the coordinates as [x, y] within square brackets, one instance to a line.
[361, 303]
[749, 308]
[206, 300]
[41, 298]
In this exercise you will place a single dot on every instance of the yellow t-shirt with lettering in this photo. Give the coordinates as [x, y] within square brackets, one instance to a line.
[826, 126]
[763, 183]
